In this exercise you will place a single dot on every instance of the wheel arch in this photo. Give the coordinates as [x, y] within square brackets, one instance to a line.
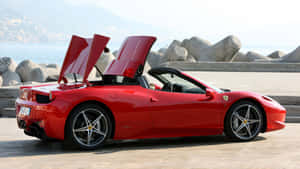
[264, 127]
[104, 106]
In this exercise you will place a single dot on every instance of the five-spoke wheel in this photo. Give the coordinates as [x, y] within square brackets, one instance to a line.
[88, 126]
[243, 121]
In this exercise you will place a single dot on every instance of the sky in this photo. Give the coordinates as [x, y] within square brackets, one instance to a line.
[255, 22]
[259, 24]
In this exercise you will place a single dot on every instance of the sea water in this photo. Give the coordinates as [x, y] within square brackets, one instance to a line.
[38, 53]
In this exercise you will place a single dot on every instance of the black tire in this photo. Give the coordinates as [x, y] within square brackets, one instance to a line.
[77, 120]
[239, 128]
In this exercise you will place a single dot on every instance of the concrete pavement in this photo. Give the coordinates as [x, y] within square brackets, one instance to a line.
[268, 83]
[279, 149]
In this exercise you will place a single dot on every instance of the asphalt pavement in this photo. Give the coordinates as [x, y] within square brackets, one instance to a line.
[279, 149]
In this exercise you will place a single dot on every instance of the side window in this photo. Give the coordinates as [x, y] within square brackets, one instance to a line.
[179, 84]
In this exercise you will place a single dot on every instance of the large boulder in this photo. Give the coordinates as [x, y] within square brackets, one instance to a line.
[162, 50]
[191, 59]
[10, 78]
[240, 57]
[1, 81]
[254, 56]
[52, 73]
[175, 52]
[277, 54]
[224, 50]
[38, 74]
[194, 45]
[294, 56]
[115, 53]
[93, 74]
[249, 57]
[6, 63]
[156, 58]
[52, 66]
[105, 59]
[24, 69]
[147, 67]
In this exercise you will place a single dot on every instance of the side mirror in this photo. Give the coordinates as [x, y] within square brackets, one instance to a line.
[210, 93]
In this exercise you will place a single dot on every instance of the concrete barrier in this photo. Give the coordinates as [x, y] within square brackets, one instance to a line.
[234, 66]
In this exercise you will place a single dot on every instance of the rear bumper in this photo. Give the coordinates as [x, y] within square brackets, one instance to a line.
[44, 120]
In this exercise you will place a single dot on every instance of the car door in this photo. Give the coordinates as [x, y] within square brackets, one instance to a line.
[186, 112]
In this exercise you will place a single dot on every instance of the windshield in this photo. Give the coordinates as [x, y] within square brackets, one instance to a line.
[215, 88]
[175, 83]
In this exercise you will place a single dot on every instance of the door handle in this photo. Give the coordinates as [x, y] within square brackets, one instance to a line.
[207, 98]
[153, 99]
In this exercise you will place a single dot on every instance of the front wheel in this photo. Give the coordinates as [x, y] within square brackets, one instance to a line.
[243, 121]
[88, 127]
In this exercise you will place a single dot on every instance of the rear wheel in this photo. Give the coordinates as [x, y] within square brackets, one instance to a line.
[88, 127]
[243, 121]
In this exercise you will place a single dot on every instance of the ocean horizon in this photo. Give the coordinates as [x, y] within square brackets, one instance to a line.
[55, 53]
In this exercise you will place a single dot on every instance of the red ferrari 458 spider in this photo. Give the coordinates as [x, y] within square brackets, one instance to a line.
[123, 105]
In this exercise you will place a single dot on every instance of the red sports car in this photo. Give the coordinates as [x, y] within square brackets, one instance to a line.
[123, 105]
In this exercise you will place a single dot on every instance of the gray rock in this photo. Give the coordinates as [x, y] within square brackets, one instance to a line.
[1, 81]
[240, 57]
[10, 78]
[250, 57]
[31, 83]
[253, 56]
[104, 61]
[6, 63]
[191, 59]
[162, 50]
[93, 74]
[147, 67]
[175, 52]
[277, 54]
[156, 58]
[294, 56]
[52, 78]
[52, 66]
[194, 45]
[42, 64]
[24, 69]
[224, 50]
[38, 74]
[52, 71]
[115, 53]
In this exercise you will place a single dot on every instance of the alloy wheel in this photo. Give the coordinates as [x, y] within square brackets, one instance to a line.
[90, 127]
[246, 121]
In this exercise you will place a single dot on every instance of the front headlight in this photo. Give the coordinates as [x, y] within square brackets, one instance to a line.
[270, 99]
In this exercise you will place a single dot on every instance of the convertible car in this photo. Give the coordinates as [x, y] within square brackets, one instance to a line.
[123, 104]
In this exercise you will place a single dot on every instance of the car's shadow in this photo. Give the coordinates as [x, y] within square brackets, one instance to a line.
[36, 147]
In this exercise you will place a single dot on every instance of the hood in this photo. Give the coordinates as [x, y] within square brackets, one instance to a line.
[82, 55]
[131, 57]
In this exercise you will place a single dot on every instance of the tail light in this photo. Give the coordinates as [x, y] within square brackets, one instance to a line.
[51, 96]
[25, 94]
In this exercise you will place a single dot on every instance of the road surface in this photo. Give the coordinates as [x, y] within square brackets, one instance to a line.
[279, 149]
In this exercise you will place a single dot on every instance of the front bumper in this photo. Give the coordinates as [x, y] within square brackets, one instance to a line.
[275, 115]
